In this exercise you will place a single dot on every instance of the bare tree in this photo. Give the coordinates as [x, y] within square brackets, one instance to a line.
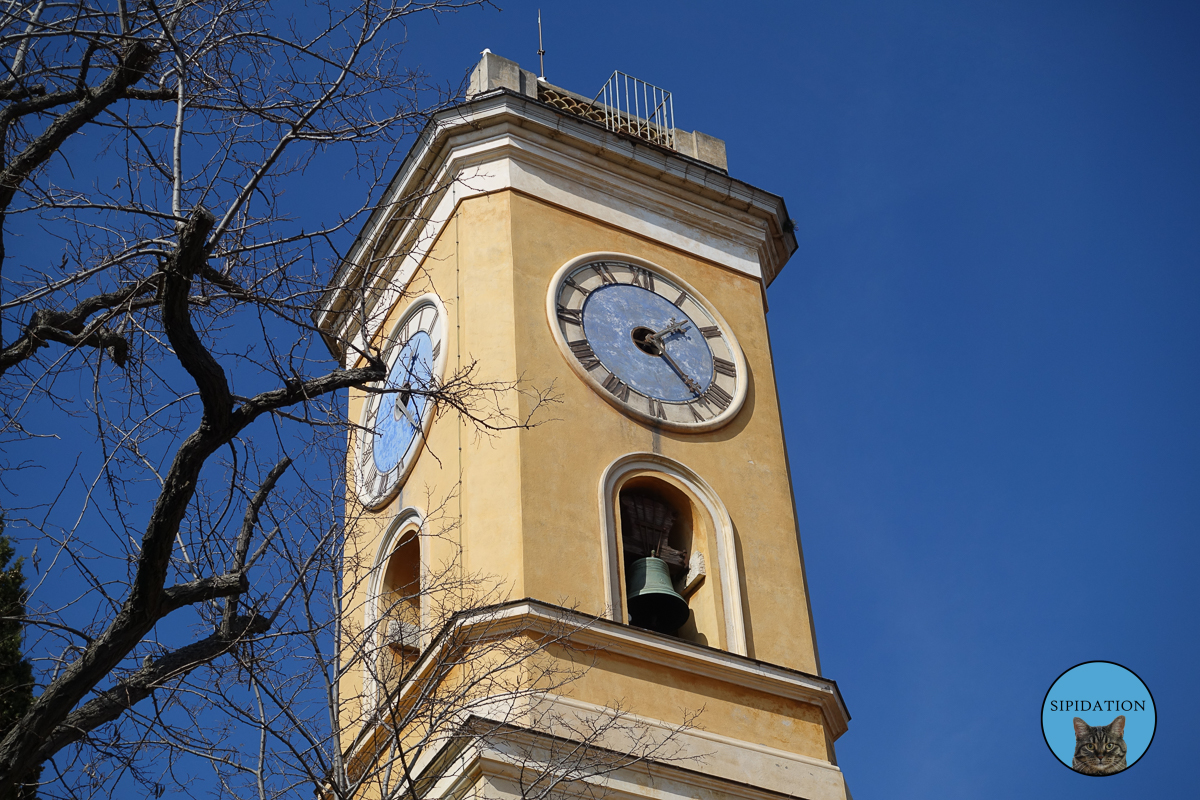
[467, 671]
[155, 320]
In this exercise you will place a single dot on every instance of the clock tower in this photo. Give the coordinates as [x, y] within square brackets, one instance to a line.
[588, 248]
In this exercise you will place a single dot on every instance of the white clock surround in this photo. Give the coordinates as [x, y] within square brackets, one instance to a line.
[371, 492]
[592, 378]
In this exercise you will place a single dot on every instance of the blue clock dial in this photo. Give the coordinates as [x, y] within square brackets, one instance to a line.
[648, 343]
[614, 315]
[398, 419]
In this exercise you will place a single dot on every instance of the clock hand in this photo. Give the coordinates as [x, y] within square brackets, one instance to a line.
[408, 373]
[405, 393]
[402, 404]
[691, 384]
[672, 327]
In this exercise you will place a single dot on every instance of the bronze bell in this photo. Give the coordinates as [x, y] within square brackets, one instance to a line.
[653, 602]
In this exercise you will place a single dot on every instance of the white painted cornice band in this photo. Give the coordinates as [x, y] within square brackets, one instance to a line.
[501, 140]
[668, 651]
[610, 637]
[767, 774]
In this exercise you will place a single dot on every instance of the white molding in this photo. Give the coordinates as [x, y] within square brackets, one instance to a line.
[754, 768]
[741, 388]
[606, 636]
[640, 645]
[706, 765]
[668, 651]
[727, 561]
[507, 142]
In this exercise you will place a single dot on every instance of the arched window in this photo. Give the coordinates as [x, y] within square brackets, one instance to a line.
[395, 608]
[399, 599]
[656, 508]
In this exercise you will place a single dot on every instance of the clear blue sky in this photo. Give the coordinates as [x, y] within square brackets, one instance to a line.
[987, 345]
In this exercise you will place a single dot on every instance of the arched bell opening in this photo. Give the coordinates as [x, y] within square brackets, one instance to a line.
[396, 612]
[400, 597]
[664, 535]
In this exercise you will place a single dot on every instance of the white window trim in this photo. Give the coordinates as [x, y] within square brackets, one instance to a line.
[727, 561]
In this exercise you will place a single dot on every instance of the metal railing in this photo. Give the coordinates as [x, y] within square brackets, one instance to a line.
[630, 105]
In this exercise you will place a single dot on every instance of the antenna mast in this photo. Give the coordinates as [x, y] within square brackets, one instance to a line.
[541, 51]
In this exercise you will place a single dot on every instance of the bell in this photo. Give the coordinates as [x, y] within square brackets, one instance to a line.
[653, 602]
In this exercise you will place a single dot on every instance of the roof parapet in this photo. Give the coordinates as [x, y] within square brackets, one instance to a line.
[496, 72]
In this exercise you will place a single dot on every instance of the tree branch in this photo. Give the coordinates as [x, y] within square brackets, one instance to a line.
[70, 328]
[134, 61]
[249, 522]
[137, 687]
[202, 589]
[298, 391]
[210, 378]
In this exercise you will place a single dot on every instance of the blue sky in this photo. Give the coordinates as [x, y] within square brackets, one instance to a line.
[987, 344]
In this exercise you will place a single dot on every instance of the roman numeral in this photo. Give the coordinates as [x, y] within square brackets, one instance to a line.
[437, 349]
[643, 277]
[710, 331]
[616, 387]
[571, 282]
[656, 408]
[583, 352]
[696, 415]
[717, 396]
[679, 300]
[571, 315]
[601, 269]
[724, 367]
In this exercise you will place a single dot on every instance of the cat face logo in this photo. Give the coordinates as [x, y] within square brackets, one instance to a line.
[1099, 750]
[1076, 713]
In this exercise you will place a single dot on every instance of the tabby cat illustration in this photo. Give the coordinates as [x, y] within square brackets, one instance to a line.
[1099, 750]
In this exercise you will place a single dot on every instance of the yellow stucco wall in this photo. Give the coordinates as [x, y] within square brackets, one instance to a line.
[527, 512]
[744, 462]
[736, 712]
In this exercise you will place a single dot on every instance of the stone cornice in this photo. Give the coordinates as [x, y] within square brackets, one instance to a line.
[667, 651]
[602, 635]
[503, 140]
[511, 752]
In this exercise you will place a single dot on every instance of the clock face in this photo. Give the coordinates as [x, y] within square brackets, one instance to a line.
[648, 342]
[397, 412]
